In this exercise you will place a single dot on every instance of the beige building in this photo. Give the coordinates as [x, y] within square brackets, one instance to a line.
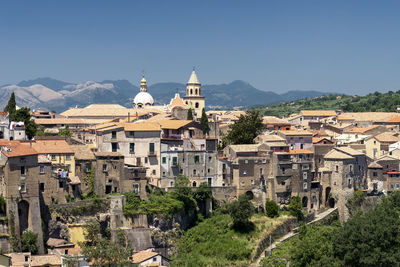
[193, 97]
[378, 145]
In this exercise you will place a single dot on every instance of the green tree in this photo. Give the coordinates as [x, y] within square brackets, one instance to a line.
[190, 114]
[245, 129]
[132, 204]
[372, 238]
[271, 208]
[101, 249]
[241, 211]
[11, 105]
[204, 122]
[29, 242]
[295, 207]
[65, 132]
[23, 114]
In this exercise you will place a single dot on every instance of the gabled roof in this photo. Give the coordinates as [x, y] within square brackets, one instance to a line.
[270, 138]
[371, 116]
[386, 157]
[177, 101]
[45, 260]
[387, 137]
[318, 113]
[361, 130]
[335, 154]
[143, 255]
[275, 120]
[64, 121]
[374, 165]
[349, 151]
[316, 140]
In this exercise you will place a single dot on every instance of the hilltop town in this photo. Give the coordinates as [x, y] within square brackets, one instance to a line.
[149, 173]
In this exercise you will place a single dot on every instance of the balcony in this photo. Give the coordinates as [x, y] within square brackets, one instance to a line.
[151, 154]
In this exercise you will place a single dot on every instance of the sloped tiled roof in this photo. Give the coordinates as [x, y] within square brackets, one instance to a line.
[245, 148]
[52, 146]
[296, 132]
[142, 256]
[300, 151]
[318, 113]
[142, 126]
[374, 165]
[58, 121]
[82, 152]
[43, 260]
[17, 149]
[275, 120]
[174, 124]
[271, 138]
[387, 137]
[371, 116]
[361, 129]
[349, 151]
[335, 154]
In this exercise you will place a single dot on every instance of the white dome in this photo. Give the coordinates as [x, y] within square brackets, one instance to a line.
[142, 99]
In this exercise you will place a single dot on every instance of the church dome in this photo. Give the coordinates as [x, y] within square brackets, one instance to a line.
[143, 99]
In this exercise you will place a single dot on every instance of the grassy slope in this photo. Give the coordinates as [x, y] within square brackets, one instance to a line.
[374, 102]
[213, 242]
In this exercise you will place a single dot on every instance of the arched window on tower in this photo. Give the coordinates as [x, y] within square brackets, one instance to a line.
[191, 91]
[195, 91]
[196, 105]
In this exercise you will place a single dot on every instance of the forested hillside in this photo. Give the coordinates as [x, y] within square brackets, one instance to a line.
[374, 102]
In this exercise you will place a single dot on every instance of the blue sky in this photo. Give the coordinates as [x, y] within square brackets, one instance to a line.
[338, 46]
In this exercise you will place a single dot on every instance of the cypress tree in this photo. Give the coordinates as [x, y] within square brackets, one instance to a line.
[11, 106]
[204, 122]
[190, 115]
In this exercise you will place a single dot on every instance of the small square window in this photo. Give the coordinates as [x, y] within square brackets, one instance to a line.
[246, 161]
[23, 171]
[41, 169]
[114, 147]
[154, 172]
[41, 187]
[164, 160]
[104, 167]
[244, 172]
[209, 159]
[252, 182]
[53, 157]
[113, 134]
[67, 157]
[22, 188]
[132, 148]
[196, 159]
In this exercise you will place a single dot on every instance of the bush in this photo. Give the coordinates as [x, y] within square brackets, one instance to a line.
[271, 209]
[241, 211]
[132, 204]
[295, 208]
[29, 242]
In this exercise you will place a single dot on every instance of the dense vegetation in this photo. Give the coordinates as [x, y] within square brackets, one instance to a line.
[245, 129]
[369, 238]
[373, 102]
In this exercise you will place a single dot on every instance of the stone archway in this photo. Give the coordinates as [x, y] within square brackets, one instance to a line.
[250, 195]
[23, 215]
[329, 200]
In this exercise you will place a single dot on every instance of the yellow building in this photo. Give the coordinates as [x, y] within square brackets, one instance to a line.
[193, 97]
[58, 152]
[378, 145]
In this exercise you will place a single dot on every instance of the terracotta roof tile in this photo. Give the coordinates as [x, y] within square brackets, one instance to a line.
[44, 260]
[318, 113]
[142, 256]
[59, 121]
[16, 149]
[82, 152]
[52, 146]
[142, 126]
[300, 151]
[174, 124]
[295, 132]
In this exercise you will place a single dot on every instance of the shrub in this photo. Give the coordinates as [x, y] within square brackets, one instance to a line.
[295, 208]
[271, 208]
[241, 210]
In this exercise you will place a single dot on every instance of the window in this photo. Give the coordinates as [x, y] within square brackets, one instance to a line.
[114, 147]
[351, 168]
[69, 167]
[246, 161]
[60, 184]
[397, 186]
[244, 172]
[261, 171]
[171, 184]
[163, 173]
[337, 168]
[194, 172]
[252, 182]
[264, 161]
[113, 135]
[174, 160]
[164, 160]
[88, 167]
[154, 259]
[196, 105]
[304, 186]
[208, 170]
[132, 148]
[41, 169]
[209, 159]
[41, 187]
[223, 166]
[375, 174]
[194, 184]
[301, 146]
[22, 188]
[53, 157]
[136, 188]
[305, 175]
[131, 134]
[67, 157]
[23, 171]
[181, 171]
[196, 159]
[145, 160]
[241, 183]
[104, 167]
[154, 172]
[151, 148]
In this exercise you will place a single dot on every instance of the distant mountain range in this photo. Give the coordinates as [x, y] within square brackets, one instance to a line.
[57, 95]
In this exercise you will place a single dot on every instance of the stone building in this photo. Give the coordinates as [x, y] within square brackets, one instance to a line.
[186, 151]
[20, 187]
[108, 172]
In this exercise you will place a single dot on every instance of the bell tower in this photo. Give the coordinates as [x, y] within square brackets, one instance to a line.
[193, 97]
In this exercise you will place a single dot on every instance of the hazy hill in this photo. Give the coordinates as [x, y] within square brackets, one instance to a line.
[59, 95]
